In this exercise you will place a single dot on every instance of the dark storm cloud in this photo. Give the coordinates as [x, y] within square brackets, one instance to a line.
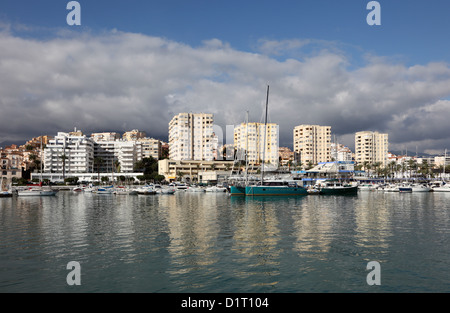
[121, 81]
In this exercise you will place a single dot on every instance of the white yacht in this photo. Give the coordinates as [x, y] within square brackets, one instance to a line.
[442, 188]
[36, 191]
[420, 188]
[216, 189]
[391, 188]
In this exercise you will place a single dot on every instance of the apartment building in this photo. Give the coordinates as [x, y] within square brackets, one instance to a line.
[259, 140]
[106, 136]
[371, 147]
[189, 170]
[133, 135]
[191, 137]
[286, 156]
[11, 163]
[339, 152]
[312, 143]
[116, 156]
[151, 148]
[69, 153]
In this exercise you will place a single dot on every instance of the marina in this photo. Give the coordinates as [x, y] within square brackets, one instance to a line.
[214, 242]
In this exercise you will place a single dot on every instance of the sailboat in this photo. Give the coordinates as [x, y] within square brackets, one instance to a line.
[274, 187]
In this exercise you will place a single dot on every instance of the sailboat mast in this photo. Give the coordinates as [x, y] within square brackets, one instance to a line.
[246, 151]
[42, 160]
[445, 159]
[265, 134]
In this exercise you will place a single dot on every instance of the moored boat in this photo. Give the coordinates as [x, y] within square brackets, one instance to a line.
[36, 191]
[216, 189]
[146, 190]
[237, 190]
[391, 188]
[405, 188]
[103, 190]
[6, 194]
[420, 188]
[276, 188]
[338, 188]
[442, 188]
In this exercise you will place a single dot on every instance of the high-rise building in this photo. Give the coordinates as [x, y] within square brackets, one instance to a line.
[151, 148]
[260, 142]
[191, 137]
[312, 143]
[371, 147]
[116, 156]
[69, 153]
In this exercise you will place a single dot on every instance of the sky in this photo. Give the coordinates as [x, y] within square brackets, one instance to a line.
[135, 64]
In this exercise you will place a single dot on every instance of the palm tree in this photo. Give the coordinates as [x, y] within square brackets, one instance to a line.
[117, 165]
[98, 161]
[392, 168]
[64, 157]
[412, 165]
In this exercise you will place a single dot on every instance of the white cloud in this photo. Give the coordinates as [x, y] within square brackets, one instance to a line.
[117, 80]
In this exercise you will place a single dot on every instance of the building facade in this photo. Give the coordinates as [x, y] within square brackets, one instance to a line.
[191, 137]
[106, 136]
[189, 170]
[339, 152]
[151, 148]
[133, 135]
[312, 144]
[69, 153]
[371, 147]
[261, 142]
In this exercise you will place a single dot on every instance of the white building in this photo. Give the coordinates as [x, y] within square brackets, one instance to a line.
[371, 147]
[191, 136]
[69, 153]
[260, 142]
[117, 156]
[339, 152]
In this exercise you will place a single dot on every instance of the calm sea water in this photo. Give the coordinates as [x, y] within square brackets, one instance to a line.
[189, 242]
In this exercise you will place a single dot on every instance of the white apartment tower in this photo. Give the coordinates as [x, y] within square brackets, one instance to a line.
[69, 152]
[191, 137]
[371, 147]
[312, 143]
[117, 155]
[260, 142]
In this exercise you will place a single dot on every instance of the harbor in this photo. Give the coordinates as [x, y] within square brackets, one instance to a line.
[214, 242]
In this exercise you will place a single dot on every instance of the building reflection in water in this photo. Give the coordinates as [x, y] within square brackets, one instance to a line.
[256, 241]
[193, 230]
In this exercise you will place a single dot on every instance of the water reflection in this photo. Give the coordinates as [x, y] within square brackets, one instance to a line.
[373, 218]
[217, 243]
[256, 241]
[193, 231]
[313, 225]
